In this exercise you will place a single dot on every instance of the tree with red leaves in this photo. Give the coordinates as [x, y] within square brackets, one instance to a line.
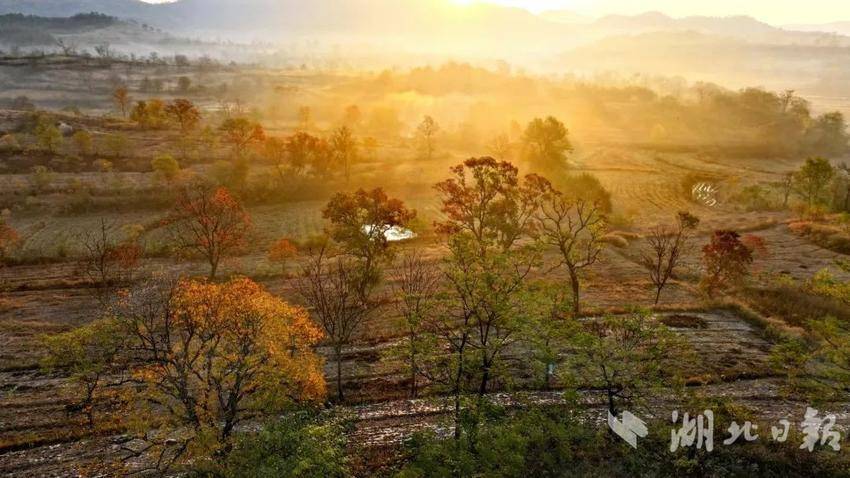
[184, 113]
[726, 259]
[209, 221]
[486, 200]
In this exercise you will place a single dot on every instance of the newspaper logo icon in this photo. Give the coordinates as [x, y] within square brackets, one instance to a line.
[629, 428]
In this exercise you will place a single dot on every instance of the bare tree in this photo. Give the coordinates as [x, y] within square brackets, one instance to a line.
[500, 147]
[68, 47]
[426, 134]
[105, 262]
[665, 250]
[416, 285]
[338, 298]
[121, 97]
[787, 185]
[575, 228]
[344, 149]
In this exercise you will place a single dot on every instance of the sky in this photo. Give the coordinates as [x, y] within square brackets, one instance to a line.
[779, 12]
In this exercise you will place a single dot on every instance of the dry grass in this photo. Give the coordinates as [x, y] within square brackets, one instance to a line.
[829, 237]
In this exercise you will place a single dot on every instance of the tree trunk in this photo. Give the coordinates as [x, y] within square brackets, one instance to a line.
[457, 391]
[576, 299]
[611, 407]
[485, 379]
[658, 293]
[413, 370]
[338, 358]
[213, 268]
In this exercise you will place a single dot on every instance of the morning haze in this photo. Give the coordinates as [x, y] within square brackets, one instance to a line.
[424, 238]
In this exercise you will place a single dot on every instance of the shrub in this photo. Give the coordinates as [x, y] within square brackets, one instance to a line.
[301, 444]
[83, 143]
[165, 167]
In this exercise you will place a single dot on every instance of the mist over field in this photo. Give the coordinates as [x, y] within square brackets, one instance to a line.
[424, 238]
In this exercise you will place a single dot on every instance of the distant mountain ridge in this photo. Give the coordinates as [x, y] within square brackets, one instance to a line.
[351, 16]
[416, 25]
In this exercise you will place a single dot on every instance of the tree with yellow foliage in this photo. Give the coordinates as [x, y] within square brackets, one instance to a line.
[203, 357]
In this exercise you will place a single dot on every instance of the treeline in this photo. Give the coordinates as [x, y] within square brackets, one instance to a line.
[76, 22]
[28, 30]
[748, 122]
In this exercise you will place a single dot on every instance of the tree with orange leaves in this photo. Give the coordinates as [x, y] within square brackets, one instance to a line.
[208, 221]
[282, 251]
[212, 355]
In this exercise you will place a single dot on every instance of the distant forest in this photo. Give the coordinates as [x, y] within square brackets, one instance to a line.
[31, 30]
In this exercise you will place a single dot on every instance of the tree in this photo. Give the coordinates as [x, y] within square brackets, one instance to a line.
[338, 298]
[574, 227]
[726, 260]
[665, 248]
[344, 149]
[165, 167]
[551, 329]
[416, 285]
[48, 135]
[90, 355]
[241, 133]
[827, 135]
[9, 240]
[305, 151]
[305, 119]
[787, 187]
[629, 358]
[486, 199]
[360, 221]
[500, 147]
[546, 144]
[281, 252]
[353, 117]
[41, 177]
[106, 263]
[149, 114]
[211, 355]
[116, 145]
[183, 84]
[487, 211]
[184, 113]
[208, 221]
[812, 179]
[83, 143]
[426, 134]
[121, 98]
